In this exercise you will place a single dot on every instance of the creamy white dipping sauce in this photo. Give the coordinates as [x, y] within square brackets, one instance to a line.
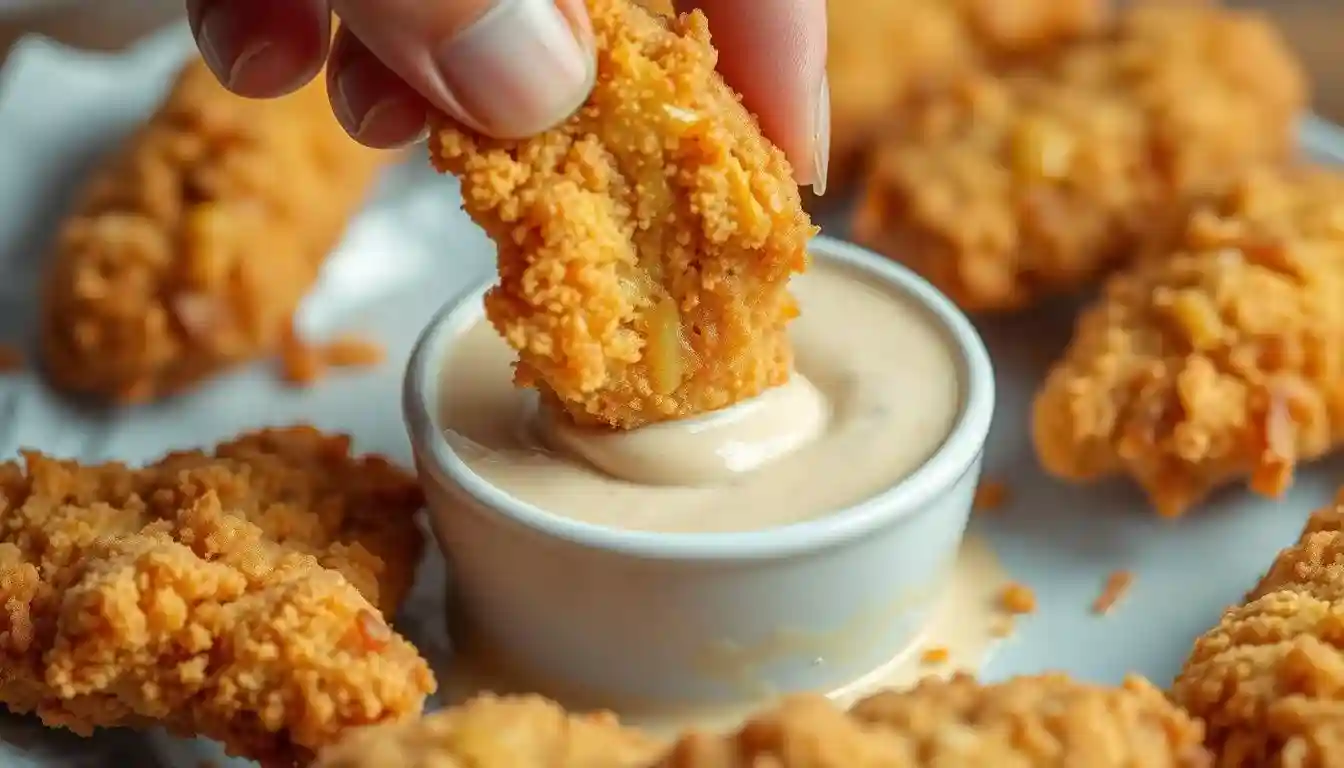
[876, 393]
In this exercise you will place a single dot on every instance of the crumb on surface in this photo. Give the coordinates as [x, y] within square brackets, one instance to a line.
[990, 496]
[1113, 591]
[935, 655]
[1017, 599]
[350, 350]
[302, 364]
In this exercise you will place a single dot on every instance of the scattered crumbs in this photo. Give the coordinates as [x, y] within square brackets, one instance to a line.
[990, 496]
[935, 655]
[11, 358]
[353, 351]
[1002, 627]
[1117, 584]
[1017, 599]
[301, 365]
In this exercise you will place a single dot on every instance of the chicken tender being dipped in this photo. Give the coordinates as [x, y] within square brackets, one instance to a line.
[1004, 189]
[645, 244]
[1047, 720]
[190, 249]
[241, 595]
[1216, 358]
[1269, 678]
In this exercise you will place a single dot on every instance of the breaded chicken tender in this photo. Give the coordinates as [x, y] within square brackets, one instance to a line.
[884, 53]
[645, 244]
[190, 248]
[1005, 189]
[497, 732]
[1048, 720]
[1217, 358]
[241, 595]
[1269, 678]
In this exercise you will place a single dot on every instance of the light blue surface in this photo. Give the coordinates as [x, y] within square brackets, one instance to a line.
[412, 249]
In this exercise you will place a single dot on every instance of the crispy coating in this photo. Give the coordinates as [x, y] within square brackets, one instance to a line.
[958, 723]
[234, 595]
[883, 53]
[497, 732]
[1218, 358]
[191, 247]
[1269, 678]
[646, 243]
[1005, 189]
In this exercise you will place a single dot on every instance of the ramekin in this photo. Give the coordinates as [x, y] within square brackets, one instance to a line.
[691, 619]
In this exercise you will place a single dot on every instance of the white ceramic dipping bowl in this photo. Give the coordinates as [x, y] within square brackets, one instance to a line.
[692, 619]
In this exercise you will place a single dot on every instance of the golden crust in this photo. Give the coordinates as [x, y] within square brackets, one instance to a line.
[233, 595]
[1269, 678]
[645, 244]
[1048, 720]
[1217, 358]
[190, 249]
[1005, 189]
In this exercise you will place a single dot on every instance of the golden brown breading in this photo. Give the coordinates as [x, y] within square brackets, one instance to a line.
[233, 595]
[1269, 678]
[882, 53]
[491, 732]
[192, 246]
[1218, 358]
[646, 243]
[1048, 720]
[1002, 190]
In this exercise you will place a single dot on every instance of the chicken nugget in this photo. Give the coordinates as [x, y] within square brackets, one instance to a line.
[1006, 189]
[645, 244]
[1216, 358]
[239, 595]
[1269, 678]
[191, 247]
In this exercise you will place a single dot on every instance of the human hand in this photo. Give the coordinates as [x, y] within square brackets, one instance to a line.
[507, 68]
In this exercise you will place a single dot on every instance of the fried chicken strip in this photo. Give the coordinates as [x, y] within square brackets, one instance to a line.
[1006, 189]
[1269, 678]
[645, 244]
[191, 247]
[1216, 359]
[234, 595]
[883, 54]
[1048, 720]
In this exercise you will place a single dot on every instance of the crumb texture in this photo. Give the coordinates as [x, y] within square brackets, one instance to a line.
[1005, 188]
[1218, 358]
[190, 248]
[1026, 722]
[240, 595]
[645, 244]
[1269, 678]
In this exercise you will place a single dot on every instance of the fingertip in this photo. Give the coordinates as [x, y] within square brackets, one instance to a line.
[374, 105]
[261, 48]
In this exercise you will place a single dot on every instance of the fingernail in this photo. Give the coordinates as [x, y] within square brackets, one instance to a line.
[517, 70]
[821, 137]
[216, 37]
[392, 123]
[373, 107]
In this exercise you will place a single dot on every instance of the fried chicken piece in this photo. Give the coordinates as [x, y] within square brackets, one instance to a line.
[190, 249]
[883, 53]
[1028, 721]
[645, 244]
[1218, 358]
[1005, 189]
[1048, 720]
[502, 732]
[234, 595]
[1269, 678]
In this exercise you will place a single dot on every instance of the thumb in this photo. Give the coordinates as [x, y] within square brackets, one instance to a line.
[505, 68]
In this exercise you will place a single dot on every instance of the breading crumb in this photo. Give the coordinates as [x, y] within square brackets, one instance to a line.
[1117, 585]
[1017, 599]
[353, 351]
[301, 364]
[990, 496]
[936, 655]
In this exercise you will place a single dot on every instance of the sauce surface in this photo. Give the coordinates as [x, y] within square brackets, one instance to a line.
[878, 393]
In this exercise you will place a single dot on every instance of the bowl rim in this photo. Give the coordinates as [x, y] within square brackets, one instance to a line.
[953, 459]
